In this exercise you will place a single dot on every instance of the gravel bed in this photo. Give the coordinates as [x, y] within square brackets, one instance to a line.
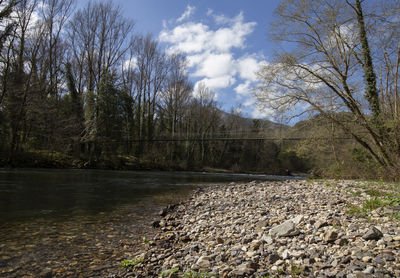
[272, 229]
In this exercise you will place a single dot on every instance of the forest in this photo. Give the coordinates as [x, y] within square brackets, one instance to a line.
[82, 88]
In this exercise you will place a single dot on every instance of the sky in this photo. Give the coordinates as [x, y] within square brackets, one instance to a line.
[225, 42]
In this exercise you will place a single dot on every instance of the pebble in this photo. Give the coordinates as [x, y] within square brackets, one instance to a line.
[373, 234]
[265, 228]
[331, 236]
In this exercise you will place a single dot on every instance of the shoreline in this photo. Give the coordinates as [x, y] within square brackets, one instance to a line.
[208, 170]
[45, 160]
[276, 229]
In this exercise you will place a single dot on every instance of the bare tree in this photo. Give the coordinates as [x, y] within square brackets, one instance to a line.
[19, 87]
[204, 118]
[7, 25]
[149, 80]
[323, 71]
[176, 96]
[54, 15]
[99, 38]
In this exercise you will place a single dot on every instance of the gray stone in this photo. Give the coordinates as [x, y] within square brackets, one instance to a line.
[320, 223]
[255, 245]
[262, 224]
[373, 234]
[298, 219]
[203, 263]
[341, 241]
[287, 228]
[330, 236]
[388, 255]
[379, 260]
[330, 274]
[354, 268]
[298, 254]
[285, 254]
[268, 239]
[241, 271]
[369, 269]
[345, 260]
[363, 275]
[334, 263]
[273, 257]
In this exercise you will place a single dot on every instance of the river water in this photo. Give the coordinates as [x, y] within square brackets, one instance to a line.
[81, 223]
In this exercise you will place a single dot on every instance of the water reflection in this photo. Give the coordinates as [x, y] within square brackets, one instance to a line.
[30, 193]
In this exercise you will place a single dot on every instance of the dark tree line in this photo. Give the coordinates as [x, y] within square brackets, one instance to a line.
[80, 84]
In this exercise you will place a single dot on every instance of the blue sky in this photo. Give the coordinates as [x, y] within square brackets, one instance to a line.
[225, 41]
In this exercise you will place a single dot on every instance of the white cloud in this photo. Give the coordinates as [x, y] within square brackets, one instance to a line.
[164, 24]
[244, 88]
[188, 12]
[195, 37]
[130, 64]
[263, 113]
[211, 50]
[249, 102]
[215, 65]
[226, 38]
[248, 66]
[188, 37]
[222, 19]
[217, 83]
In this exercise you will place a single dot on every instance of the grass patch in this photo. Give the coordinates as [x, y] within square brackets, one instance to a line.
[354, 210]
[295, 271]
[395, 216]
[328, 184]
[372, 204]
[356, 193]
[375, 203]
[375, 192]
[310, 180]
[131, 262]
[168, 272]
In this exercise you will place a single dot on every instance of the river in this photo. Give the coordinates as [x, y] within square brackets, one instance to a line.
[81, 223]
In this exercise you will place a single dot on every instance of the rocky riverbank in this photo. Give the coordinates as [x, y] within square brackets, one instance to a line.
[277, 229]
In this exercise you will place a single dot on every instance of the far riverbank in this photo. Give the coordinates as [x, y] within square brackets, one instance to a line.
[55, 160]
